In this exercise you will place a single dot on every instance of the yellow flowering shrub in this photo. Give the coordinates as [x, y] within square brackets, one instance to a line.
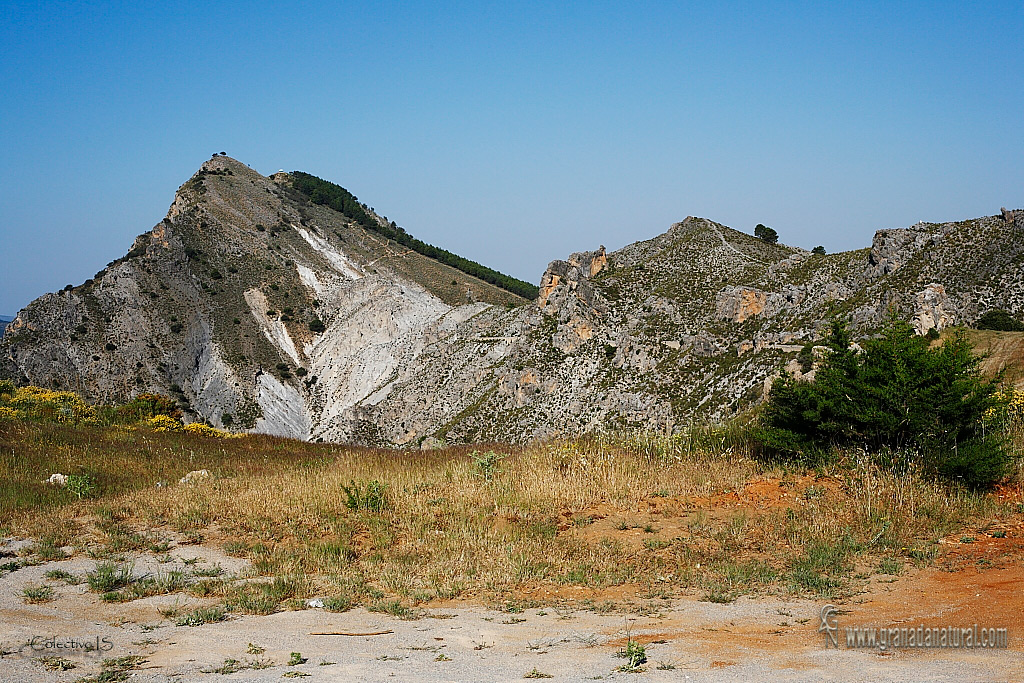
[1016, 402]
[1010, 408]
[37, 403]
[164, 423]
[204, 430]
[84, 413]
[62, 406]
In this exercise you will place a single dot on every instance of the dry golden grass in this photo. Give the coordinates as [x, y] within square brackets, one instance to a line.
[656, 515]
[1002, 352]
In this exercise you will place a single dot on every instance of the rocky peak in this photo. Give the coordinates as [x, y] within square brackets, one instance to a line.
[565, 281]
[892, 248]
[690, 224]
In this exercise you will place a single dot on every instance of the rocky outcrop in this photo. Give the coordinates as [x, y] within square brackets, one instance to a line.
[598, 262]
[567, 294]
[931, 310]
[740, 303]
[566, 283]
[892, 248]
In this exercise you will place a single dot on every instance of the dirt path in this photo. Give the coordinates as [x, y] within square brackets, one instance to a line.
[750, 639]
[726, 244]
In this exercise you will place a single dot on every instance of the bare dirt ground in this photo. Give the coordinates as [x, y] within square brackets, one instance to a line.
[684, 639]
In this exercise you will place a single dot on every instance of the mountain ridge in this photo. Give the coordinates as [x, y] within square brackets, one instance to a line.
[260, 309]
[338, 198]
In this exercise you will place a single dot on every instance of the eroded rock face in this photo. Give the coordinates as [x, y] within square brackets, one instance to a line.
[598, 262]
[523, 387]
[931, 309]
[740, 303]
[893, 248]
[550, 281]
[565, 284]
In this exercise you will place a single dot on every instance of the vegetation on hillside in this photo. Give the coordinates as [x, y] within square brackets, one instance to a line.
[766, 234]
[998, 319]
[153, 411]
[925, 406]
[338, 198]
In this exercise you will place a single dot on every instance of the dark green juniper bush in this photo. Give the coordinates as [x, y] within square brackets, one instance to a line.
[899, 396]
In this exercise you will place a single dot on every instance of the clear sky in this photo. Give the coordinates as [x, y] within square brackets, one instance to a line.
[512, 133]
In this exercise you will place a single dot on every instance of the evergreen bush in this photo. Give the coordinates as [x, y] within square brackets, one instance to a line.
[998, 319]
[897, 395]
[763, 232]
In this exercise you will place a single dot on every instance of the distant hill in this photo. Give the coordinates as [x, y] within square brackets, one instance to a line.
[4, 319]
[281, 304]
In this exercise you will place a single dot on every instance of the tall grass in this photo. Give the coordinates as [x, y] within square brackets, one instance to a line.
[122, 458]
[374, 527]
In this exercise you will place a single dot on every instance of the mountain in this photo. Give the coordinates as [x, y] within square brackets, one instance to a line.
[280, 304]
[4, 320]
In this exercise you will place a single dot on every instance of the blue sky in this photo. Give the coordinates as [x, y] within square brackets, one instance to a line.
[511, 133]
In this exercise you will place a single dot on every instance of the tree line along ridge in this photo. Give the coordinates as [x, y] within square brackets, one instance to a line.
[341, 200]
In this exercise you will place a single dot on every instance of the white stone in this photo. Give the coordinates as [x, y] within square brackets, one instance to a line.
[273, 329]
[194, 476]
[338, 260]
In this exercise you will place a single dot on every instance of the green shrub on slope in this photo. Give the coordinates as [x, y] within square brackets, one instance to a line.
[897, 395]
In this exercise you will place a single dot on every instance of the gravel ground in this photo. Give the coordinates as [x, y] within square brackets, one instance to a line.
[685, 640]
